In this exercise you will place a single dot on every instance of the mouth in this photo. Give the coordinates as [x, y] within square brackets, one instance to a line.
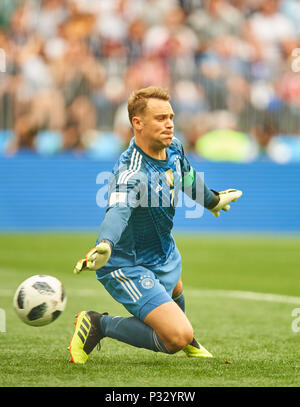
[167, 139]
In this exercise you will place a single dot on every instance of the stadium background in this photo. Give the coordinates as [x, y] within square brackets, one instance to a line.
[68, 67]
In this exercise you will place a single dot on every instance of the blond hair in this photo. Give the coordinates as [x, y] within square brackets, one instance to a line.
[138, 99]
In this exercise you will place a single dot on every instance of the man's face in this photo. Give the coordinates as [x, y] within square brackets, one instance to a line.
[157, 123]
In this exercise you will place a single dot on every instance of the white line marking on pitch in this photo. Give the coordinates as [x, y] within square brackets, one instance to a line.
[6, 292]
[246, 295]
[243, 295]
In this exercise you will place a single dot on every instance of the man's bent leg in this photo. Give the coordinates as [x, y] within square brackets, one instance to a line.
[171, 325]
[132, 331]
[165, 329]
[141, 293]
[193, 349]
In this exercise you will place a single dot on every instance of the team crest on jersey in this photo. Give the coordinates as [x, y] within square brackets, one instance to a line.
[170, 178]
[170, 182]
[146, 282]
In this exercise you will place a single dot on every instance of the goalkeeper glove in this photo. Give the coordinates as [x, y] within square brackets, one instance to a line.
[225, 197]
[95, 258]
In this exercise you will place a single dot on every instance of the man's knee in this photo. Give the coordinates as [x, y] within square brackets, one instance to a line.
[179, 339]
[171, 325]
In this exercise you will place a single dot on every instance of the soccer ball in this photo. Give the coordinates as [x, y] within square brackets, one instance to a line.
[39, 300]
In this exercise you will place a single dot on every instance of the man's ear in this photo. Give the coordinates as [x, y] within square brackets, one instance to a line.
[137, 123]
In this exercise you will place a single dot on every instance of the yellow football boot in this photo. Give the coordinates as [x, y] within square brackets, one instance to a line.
[196, 350]
[86, 336]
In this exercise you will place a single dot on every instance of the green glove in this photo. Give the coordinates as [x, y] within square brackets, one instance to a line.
[227, 196]
[95, 258]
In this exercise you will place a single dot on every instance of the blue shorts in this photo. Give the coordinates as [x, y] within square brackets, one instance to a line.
[141, 289]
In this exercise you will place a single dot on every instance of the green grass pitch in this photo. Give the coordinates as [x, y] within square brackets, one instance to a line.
[250, 335]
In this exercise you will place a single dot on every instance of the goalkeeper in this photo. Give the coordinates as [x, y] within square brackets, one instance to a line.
[135, 257]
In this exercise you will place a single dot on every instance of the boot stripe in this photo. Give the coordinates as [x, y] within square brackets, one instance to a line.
[83, 330]
[86, 323]
[80, 336]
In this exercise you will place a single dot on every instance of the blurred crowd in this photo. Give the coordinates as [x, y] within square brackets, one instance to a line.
[232, 68]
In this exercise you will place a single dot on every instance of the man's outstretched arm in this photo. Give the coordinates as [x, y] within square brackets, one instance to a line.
[195, 188]
[99, 255]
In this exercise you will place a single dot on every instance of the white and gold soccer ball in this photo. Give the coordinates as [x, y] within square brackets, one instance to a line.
[39, 300]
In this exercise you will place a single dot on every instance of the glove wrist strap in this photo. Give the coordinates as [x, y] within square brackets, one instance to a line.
[215, 200]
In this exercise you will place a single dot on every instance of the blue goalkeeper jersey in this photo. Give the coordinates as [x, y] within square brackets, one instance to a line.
[142, 197]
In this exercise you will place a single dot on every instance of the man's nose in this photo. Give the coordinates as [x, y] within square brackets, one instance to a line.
[170, 123]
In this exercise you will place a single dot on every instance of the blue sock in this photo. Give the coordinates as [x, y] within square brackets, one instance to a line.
[133, 332]
[180, 301]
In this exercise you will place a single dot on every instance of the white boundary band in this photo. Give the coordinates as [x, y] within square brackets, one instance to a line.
[156, 341]
[242, 295]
